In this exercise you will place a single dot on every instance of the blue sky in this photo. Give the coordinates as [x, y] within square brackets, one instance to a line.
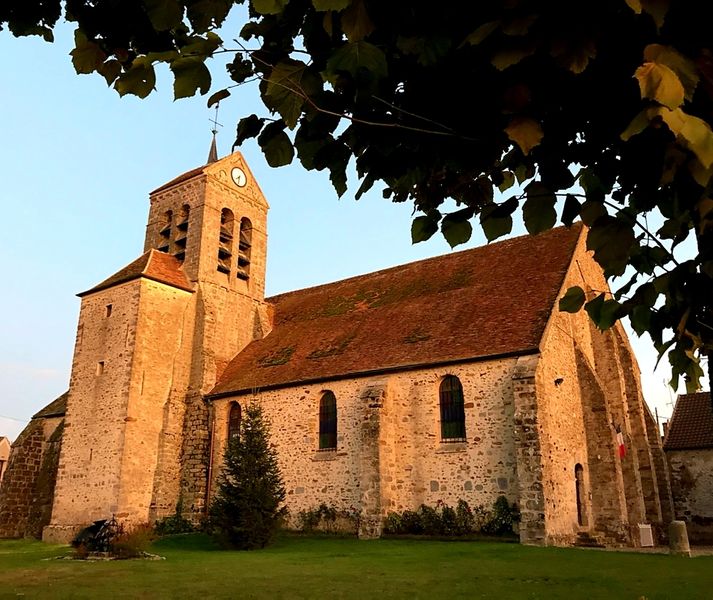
[77, 163]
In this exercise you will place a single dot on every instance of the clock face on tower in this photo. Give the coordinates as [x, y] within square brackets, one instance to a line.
[239, 177]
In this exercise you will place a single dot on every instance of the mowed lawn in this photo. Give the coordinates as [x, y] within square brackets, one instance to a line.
[297, 567]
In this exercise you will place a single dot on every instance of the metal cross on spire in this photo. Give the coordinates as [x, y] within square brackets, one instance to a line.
[213, 153]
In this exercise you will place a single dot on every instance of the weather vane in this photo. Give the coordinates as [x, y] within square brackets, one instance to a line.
[214, 120]
[213, 153]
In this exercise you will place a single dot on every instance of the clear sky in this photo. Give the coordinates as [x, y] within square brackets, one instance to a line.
[77, 163]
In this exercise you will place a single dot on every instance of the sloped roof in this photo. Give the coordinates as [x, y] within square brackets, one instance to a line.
[154, 265]
[181, 178]
[56, 408]
[490, 301]
[691, 424]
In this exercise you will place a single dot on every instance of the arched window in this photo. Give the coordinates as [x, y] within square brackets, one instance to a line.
[328, 421]
[452, 410]
[244, 245]
[182, 232]
[164, 234]
[225, 243]
[234, 417]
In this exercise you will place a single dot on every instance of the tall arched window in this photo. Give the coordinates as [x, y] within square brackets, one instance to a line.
[234, 416]
[182, 232]
[225, 243]
[328, 421]
[164, 234]
[452, 410]
[244, 245]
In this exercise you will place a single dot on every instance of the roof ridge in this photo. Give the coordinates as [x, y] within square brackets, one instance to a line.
[429, 259]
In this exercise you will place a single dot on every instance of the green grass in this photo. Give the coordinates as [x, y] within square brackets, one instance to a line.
[296, 567]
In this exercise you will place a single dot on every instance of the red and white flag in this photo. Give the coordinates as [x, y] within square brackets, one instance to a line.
[621, 446]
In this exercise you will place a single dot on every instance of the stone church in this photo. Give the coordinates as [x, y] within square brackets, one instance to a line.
[444, 379]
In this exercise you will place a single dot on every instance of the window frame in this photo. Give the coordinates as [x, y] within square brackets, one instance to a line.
[452, 410]
[233, 429]
[328, 422]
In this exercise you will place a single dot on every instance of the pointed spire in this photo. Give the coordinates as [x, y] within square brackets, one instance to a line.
[213, 153]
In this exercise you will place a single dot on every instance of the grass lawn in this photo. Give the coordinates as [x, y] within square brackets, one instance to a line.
[296, 567]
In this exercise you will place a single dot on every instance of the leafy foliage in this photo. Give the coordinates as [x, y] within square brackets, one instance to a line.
[607, 104]
[330, 519]
[175, 523]
[246, 511]
[462, 520]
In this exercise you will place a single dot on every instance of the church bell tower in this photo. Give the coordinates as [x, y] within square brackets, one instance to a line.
[151, 342]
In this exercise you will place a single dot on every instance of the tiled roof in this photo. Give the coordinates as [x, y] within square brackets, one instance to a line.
[691, 424]
[181, 178]
[490, 301]
[155, 265]
[56, 408]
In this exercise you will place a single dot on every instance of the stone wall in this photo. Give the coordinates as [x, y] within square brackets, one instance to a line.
[130, 364]
[229, 311]
[389, 454]
[692, 486]
[29, 484]
[587, 381]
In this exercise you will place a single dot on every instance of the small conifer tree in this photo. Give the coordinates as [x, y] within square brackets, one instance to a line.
[246, 511]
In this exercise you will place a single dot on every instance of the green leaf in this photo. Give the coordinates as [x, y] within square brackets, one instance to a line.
[87, 56]
[611, 240]
[496, 219]
[640, 319]
[511, 56]
[573, 300]
[190, 76]
[456, 227]
[217, 97]
[594, 189]
[205, 15]
[248, 127]
[139, 80]
[366, 184]
[603, 312]
[202, 47]
[658, 82]
[494, 228]
[275, 145]
[683, 66]
[110, 70]
[423, 228]
[635, 5]
[637, 125]
[591, 211]
[164, 14]
[698, 139]
[482, 32]
[284, 92]
[356, 23]
[357, 57]
[571, 210]
[525, 132]
[428, 50]
[539, 208]
[269, 7]
[507, 182]
[325, 5]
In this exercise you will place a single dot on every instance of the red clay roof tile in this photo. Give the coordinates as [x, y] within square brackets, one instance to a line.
[180, 179]
[154, 265]
[489, 301]
[691, 424]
